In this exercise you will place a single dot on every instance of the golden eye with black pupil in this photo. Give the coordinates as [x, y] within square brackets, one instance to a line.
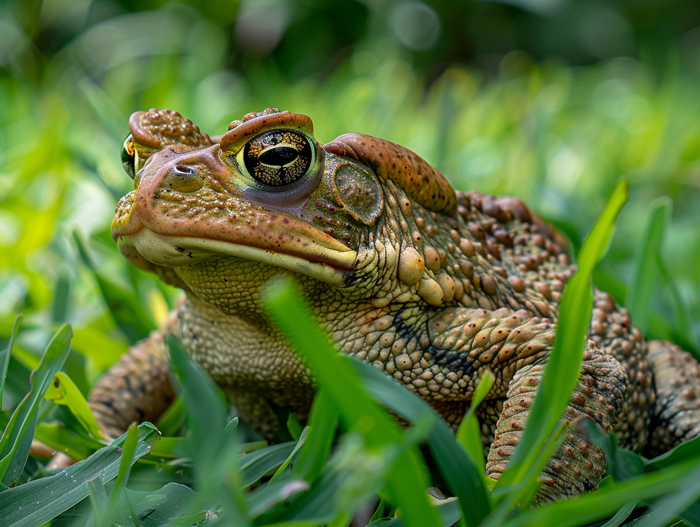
[278, 157]
[129, 156]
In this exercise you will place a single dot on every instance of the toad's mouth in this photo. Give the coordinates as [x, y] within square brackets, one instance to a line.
[145, 248]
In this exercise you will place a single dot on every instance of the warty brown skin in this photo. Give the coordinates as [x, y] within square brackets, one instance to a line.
[432, 286]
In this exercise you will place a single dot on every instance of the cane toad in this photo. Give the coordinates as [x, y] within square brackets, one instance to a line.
[432, 286]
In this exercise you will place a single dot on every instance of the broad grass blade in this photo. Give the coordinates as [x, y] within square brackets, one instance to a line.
[211, 444]
[621, 515]
[126, 307]
[63, 391]
[407, 478]
[36, 502]
[563, 368]
[7, 353]
[607, 501]
[17, 438]
[313, 455]
[460, 472]
[469, 433]
[646, 271]
[264, 498]
[62, 439]
[256, 464]
[154, 509]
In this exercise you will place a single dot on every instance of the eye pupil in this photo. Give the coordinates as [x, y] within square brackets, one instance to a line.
[280, 156]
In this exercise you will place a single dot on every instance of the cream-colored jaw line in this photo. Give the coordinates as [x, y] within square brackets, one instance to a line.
[176, 251]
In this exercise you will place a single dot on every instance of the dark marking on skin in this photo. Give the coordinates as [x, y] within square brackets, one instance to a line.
[403, 330]
[452, 360]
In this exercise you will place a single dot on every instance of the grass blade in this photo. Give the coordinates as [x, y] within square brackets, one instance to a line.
[256, 464]
[469, 433]
[563, 368]
[128, 451]
[28, 505]
[17, 439]
[211, 440]
[7, 353]
[605, 502]
[646, 272]
[621, 515]
[407, 479]
[323, 421]
[153, 509]
[125, 306]
[683, 318]
[98, 498]
[63, 391]
[460, 472]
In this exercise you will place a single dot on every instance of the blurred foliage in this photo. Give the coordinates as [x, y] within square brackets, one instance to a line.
[555, 135]
[549, 100]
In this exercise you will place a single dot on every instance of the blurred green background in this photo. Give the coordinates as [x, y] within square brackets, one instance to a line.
[549, 100]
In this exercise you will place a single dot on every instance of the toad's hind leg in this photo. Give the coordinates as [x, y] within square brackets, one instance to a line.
[677, 410]
[577, 466]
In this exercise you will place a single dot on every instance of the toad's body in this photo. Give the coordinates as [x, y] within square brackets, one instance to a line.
[431, 286]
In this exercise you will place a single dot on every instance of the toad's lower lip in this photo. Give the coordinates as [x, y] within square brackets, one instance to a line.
[324, 264]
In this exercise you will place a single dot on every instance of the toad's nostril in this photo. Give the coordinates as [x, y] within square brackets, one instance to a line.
[184, 169]
[183, 178]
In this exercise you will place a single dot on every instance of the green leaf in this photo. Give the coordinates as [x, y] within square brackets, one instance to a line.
[126, 307]
[563, 368]
[211, 440]
[63, 391]
[687, 450]
[622, 464]
[646, 272]
[17, 438]
[449, 514]
[684, 321]
[323, 421]
[98, 498]
[294, 427]
[33, 504]
[156, 508]
[459, 470]
[128, 451]
[256, 464]
[7, 353]
[168, 447]
[407, 479]
[92, 342]
[267, 496]
[314, 507]
[469, 431]
[63, 439]
[621, 515]
[607, 501]
[300, 442]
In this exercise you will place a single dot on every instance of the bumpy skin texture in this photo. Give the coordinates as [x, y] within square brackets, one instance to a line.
[432, 286]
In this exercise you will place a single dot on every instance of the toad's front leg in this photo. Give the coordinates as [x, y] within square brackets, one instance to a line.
[577, 466]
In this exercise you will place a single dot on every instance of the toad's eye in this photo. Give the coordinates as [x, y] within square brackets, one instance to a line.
[278, 157]
[129, 156]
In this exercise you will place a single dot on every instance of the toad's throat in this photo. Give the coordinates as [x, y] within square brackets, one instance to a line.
[328, 265]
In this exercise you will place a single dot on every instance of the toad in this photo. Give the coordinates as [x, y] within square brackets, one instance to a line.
[434, 287]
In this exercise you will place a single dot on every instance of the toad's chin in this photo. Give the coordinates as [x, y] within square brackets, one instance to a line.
[146, 248]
